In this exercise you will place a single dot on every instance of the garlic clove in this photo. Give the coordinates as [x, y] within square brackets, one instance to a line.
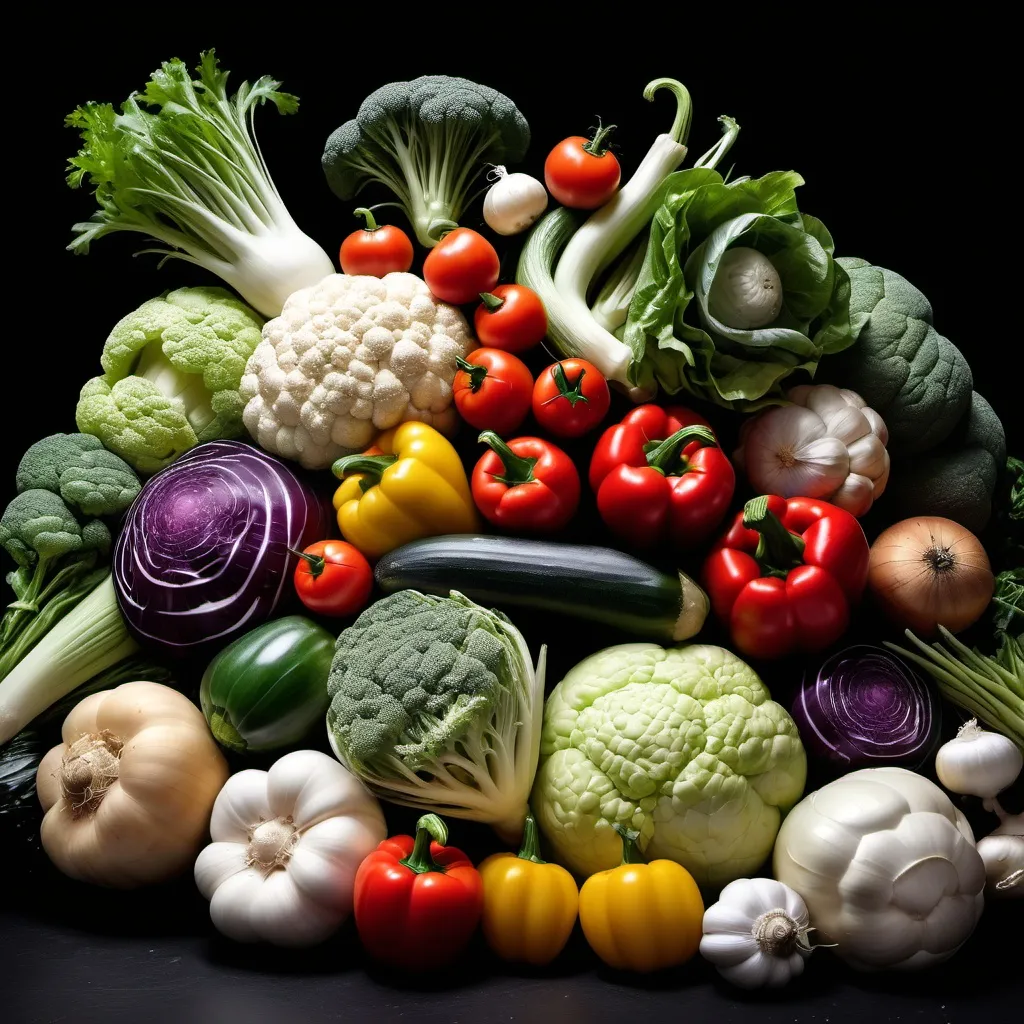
[867, 456]
[800, 394]
[855, 496]
[882, 479]
[852, 398]
[847, 423]
[877, 424]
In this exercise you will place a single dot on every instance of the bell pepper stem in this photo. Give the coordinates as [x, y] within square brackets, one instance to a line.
[372, 465]
[316, 563]
[492, 302]
[530, 848]
[517, 469]
[477, 374]
[630, 852]
[665, 457]
[571, 391]
[430, 828]
[367, 215]
[778, 550]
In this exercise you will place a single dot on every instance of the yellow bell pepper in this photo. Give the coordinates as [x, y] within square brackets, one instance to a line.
[416, 487]
[529, 905]
[642, 917]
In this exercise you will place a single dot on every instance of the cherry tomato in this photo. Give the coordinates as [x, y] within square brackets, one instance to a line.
[375, 250]
[493, 390]
[512, 318]
[461, 266]
[570, 398]
[583, 173]
[333, 578]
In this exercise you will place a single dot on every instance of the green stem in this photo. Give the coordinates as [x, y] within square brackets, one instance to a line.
[597, 146]
[372, 465]
[664, 456]
[680, 129]
[572, 392]
[778, 550]
[630, 853]
[439, 227]
[492, 302]
[367, 215]
[730, 129]
[530, 848]
[518, 470]
[316, 563]
[430, 828]
[477, 374]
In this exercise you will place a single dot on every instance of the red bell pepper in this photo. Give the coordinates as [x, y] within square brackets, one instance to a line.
[417, 902]
[786, 575]
[660, 478]
[525, 485]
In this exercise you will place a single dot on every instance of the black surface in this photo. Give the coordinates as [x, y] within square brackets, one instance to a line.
[887, 126]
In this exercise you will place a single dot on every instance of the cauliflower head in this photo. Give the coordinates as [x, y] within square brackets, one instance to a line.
[348, 358]
[683, 744]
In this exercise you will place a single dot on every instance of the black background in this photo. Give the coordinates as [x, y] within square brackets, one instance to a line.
[895, 129]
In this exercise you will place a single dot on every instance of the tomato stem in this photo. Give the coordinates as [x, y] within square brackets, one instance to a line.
[367, 215]
[517, 469]
[476, 373]
[572, 392]
[372, 465]
[430, 828]
[440, 226]
[316, 563]
[530, 848]
[666, 456]
[630, 853]
[492, 302]
[598, 145]
[778, 550]
[680, 129]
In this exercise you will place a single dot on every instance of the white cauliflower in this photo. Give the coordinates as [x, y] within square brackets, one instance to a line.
[348, 358]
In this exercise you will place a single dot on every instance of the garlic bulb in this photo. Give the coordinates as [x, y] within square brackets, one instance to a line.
[977, 762]
[746, 293]
[1003, 854]
[513, 202]
[828, 444]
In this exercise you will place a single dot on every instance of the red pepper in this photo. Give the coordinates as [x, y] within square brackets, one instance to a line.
[660, 477]
[525, 485]
[417, 903]
[786, 575]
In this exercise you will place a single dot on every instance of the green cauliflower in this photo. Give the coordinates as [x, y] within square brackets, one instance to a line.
[434, 704]
[914, 378]
[683, 744]
[957, 479]
[81, 471]
[171, 376]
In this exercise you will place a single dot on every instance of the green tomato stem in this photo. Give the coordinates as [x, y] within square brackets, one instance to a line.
[518, 470]
[530, 848]
[367, 215]
[430, 828]
[477, 374]
[492, 302]
[598, 146]
[680, 129]
[778, 550]
[665, 457]
[316, 563]
[571, 391]
[630, 852]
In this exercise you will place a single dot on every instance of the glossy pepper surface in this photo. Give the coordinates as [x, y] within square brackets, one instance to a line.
[530, 906]
[642, 917]
[527, 485]
[786, 574]
[417, 902]
[411, 484]
[661, 479]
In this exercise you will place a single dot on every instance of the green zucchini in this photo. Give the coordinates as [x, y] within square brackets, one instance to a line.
[599, 584]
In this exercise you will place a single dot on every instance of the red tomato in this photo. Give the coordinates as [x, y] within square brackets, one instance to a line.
[570, 398]
[583, 173]
[461, 266]
[493, 390]
[375, 250]
[333, 578]
[512, 318]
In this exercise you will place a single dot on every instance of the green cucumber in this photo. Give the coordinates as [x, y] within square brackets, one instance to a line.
[599, 584]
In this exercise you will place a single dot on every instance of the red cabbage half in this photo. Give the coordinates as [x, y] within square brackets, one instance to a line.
[866, 708]
[203, 556]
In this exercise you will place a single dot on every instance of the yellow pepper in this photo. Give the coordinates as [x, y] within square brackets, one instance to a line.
[529, 905]
[415, 488]
[642, 917]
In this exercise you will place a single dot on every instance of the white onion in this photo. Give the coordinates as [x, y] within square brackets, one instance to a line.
[513, 202]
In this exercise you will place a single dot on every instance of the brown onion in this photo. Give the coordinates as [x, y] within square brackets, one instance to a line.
[926, 572]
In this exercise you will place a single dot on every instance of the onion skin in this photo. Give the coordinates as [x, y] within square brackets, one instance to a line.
[928, 571]
[864, 709]
[203, 556]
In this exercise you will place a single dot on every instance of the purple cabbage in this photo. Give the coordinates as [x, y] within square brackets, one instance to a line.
[203, 556]
[867, 708]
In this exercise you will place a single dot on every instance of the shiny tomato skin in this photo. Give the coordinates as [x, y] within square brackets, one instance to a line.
[383, 250]
[519, 324]
[579, 179]
[499, 400]
[461, 266]
[575, 406]
[344, 581]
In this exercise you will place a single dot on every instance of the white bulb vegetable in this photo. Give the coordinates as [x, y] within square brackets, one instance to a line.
[513, 202]
[747, 291]
[977, 762]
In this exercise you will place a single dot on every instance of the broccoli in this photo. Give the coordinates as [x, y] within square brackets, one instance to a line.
[434, 704]
[37, 527]
[81, 471]
[172, 370]
[426, 140]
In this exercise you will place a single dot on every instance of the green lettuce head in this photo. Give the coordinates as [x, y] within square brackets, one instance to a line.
[684, 745]
[677, 340]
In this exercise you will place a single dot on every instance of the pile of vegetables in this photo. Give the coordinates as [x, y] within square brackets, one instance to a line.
[309, 551]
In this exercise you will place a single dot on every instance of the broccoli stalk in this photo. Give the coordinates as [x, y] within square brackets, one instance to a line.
[427, 141]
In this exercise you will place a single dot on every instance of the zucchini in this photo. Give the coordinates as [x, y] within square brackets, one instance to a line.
[599, 584]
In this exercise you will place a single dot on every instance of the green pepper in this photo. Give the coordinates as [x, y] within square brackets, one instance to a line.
[269, 688]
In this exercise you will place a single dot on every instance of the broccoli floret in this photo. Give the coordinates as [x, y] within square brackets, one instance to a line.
[427, 141]
[172, 370]
[37, 526]
[81, 471]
